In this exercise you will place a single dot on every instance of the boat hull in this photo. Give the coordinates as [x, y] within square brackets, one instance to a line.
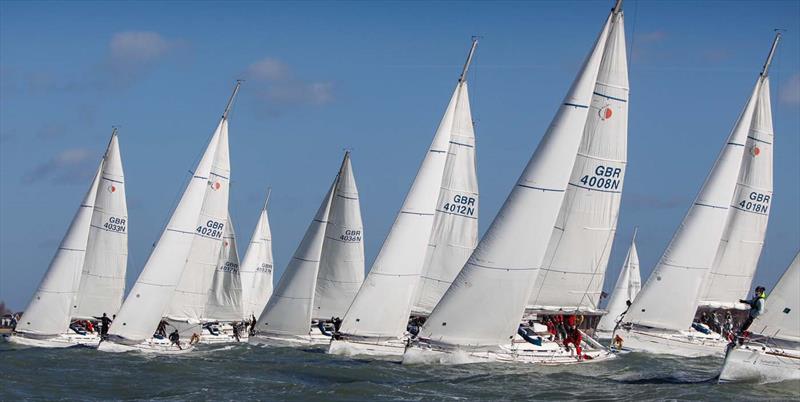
[150, 346]
[58, 341]
[760, 363]
[683, 343]
[225, 335]
[292, 341]
[385, 348]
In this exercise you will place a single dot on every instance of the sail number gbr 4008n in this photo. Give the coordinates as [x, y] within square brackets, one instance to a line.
[605, 178]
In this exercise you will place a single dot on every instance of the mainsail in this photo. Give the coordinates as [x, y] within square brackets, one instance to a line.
[225, 296]
[341, 267]
[572, 274]
[150, 296]
[737, 256]
[102, 283]
[455, 225]
[48, 312]
[670, 296]
[392, 281]
[628, 285]
[485, 303]
[256, 268]
[781, 318]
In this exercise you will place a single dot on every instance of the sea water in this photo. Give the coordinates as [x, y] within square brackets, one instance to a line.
[244, 372]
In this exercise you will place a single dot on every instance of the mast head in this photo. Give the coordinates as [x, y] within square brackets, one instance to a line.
[463, 76]
[617, 7]
[765, 69]
[230, 100]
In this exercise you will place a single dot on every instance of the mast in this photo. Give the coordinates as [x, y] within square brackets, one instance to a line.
[230, 100]
[771, 54]
[463, 76]
[269, 193]
[617, 7]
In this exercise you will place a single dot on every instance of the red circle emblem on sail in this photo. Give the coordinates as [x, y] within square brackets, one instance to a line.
[756, 151]
[216, 186]
[607, 114]
[225, 244]
[112, 189]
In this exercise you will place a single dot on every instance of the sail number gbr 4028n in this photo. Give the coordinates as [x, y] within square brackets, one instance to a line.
[212, 229]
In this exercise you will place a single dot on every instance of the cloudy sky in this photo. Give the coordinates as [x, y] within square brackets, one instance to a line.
[373, 77]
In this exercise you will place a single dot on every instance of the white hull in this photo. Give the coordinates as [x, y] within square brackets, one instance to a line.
[152, 345]
[550, 353]
[58, 341]
[752, 362]
[225, 336]
[688, 343]
[391, 348]
[313, 339]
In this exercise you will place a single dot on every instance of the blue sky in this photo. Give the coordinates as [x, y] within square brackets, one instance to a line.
[374, 77]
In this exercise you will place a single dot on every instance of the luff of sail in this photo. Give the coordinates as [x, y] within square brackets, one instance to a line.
[690, 254]
[486, 301]
[455, 226]
[572, 275]
[147, 301]
[48, 312]
[102, 283]
[224, 301]
[781, 318]
[732, 273]
[341, 267]
[628, 285]
[288, 311]
[256, 268]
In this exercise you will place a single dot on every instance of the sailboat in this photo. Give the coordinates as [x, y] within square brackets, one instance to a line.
[416, 254]
[256, 268]
[772, 352]
[187, 253]
[223, 313]
[478, 318]
[629, 282]
[660, 319]
[86, 277]
[333, 244]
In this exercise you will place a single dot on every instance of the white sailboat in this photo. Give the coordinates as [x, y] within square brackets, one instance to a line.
[773, 351]
[334, 240]
[191, 242]
[256, 268]
[659, 319]
[478, 317]
[86, 277]
[375, 323]
[629, 282]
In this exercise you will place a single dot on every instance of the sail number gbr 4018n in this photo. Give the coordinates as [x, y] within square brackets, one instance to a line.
[754, 202]
[604, 178]
[460, 205]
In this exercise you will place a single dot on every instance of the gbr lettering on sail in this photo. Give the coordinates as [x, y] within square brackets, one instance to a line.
[602, 177]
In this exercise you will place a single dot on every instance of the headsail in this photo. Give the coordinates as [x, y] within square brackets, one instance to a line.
[628, 285]
[256, 268]
[781, 318]
[572, 274]
[341, 267]
[150, 296]
[48, 312]
[737, 257]
[455, 225]
[225, 296]
[494, 286]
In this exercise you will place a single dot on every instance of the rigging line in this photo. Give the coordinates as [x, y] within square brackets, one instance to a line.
[633, 35]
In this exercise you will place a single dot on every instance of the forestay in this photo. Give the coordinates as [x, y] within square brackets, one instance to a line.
[485, 303]
[149, 298]
[455, 225]
[628, 285]
[341, 267]
[102, 283]
[781, 318]
[256, 268]
[573, 272]
[737, 257]
[225, 296]
[48, 312]
[670, 296]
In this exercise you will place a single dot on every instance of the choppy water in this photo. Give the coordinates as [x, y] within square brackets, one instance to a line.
[246, 372]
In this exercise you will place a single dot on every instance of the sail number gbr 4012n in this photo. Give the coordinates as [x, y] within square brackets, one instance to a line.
[460, 205]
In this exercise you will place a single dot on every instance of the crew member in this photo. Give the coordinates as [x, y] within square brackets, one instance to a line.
[757, 304]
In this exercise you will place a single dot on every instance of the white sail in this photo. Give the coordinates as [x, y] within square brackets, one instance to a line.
[102, 283]
[225, 296]
[572, 274]
[288, 311]
[150, 296]
[256, 268]
[670, 296]
[341, 267]
[781, 317]
[393, 278]
[455, 225]
[628, 285]
[737, 257]
[48, 312]
[486, 301]
[191, 295]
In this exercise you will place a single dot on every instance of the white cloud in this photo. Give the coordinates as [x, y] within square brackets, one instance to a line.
[275, 85]
[268, 69]
[69, 166]
[790, 91]
[131, 54]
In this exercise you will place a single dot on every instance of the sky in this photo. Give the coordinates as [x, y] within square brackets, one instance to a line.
[373, 77]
